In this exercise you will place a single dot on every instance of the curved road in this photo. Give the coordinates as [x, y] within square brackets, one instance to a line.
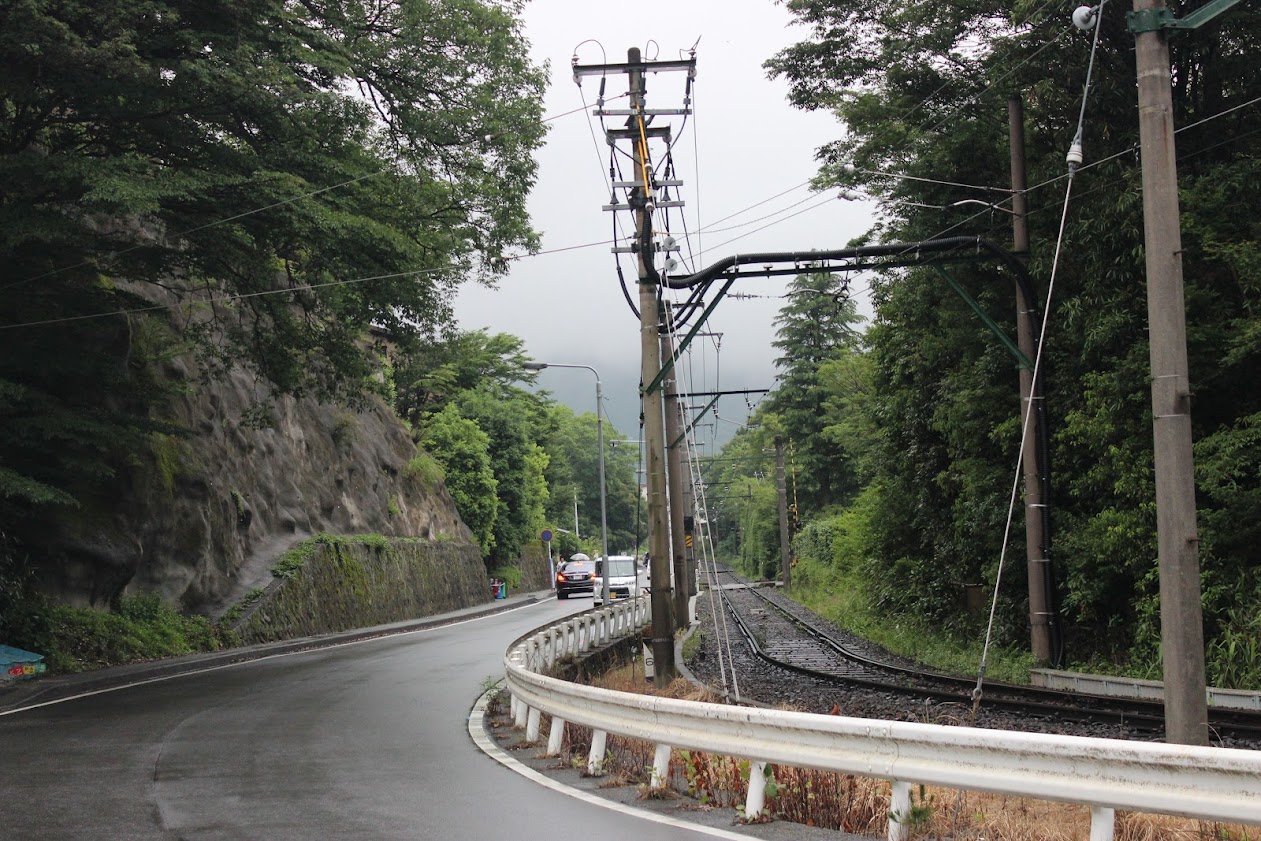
[364, 740]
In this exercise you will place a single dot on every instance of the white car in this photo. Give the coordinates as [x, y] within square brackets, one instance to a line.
[626, 578]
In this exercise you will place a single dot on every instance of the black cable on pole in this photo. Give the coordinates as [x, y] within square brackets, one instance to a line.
[694, 303]
[639, 466]
[621, 279]
[911, 250]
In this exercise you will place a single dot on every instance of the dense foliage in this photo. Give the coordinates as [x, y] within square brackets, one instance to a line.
[274, 176]
[515, 461]
[926, 415]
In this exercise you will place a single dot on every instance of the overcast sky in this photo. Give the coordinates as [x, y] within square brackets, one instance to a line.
[743, 145]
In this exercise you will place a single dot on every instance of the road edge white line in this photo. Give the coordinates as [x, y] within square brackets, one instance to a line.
[251, 660]
[488, 746]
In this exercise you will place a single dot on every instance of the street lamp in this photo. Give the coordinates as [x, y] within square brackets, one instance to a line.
[599, 425]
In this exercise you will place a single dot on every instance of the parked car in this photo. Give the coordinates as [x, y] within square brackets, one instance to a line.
[626, 578]
[574, 577]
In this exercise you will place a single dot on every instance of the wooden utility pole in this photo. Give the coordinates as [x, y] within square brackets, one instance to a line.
[674, 477]
[781, 490]
[1035, 536]
[650, 365]
[1181, 619]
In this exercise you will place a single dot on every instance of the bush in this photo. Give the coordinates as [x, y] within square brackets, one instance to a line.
[423, 468]
[141, 627]
[510, 575]
[24, 621]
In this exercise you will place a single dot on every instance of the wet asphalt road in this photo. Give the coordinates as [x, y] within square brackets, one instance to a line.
[367, 740]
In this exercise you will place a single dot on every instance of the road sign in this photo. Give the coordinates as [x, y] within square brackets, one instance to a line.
[546, 536]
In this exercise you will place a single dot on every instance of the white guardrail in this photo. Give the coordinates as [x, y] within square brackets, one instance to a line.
[1217, 784]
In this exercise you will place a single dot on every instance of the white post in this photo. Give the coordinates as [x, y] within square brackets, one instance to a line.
[554, 736]
[1102, 821]
[757, 791]
[532, 725]
[523, 709]
[604, 520]
[595, 759]
[660, 766]
[899, 811]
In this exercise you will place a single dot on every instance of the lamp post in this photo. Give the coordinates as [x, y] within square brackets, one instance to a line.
[599, 425]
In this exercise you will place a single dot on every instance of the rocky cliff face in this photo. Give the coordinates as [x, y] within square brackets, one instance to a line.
[202, 519]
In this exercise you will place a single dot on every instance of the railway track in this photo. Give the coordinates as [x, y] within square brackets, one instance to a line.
[783, 634]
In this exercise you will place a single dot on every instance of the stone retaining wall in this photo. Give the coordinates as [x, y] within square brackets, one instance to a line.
[350, 583]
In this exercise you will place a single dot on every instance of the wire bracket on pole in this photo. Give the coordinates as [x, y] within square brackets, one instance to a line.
[1161, 18]
[669, 363]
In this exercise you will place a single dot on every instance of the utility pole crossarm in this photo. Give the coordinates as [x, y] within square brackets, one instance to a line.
[692, 425]
[1022, 360]
[580, 70]
[740, 391]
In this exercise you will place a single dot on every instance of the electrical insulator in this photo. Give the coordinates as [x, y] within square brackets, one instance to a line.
[1075, 155]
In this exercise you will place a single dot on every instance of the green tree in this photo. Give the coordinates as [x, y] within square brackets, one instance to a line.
[817, 325]
[437, 372]
[574, 473]
[536, 492]
[463, 450]
[509, 425]
[276, 176]
[922, 91]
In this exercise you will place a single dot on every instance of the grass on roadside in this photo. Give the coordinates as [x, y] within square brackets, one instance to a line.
[139, 628]
[837, 593]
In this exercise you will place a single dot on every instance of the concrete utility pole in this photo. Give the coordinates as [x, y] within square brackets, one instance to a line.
[1181, 617]
[650, 365]
[781, 490]
[674, 476]
[1035, 537]
[642, 201]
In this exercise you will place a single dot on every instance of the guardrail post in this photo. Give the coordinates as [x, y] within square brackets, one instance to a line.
[523, 709]
[899, 811]
[756, 800]
[595, 759]
[1164, 779]
[532, 725]
[554, 736]
[1102, 821]
[660, 767]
